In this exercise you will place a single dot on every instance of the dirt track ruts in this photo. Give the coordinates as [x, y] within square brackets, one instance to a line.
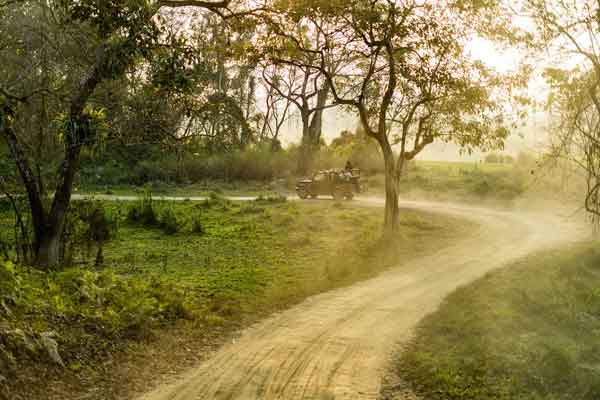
[336, 345]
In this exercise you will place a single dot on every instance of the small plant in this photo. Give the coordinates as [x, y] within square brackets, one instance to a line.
[215, 196]
[168, 221]
[338, 204]
[10, 283]
[197, 226]
[273, 199]
[88, 225]
[143, 211]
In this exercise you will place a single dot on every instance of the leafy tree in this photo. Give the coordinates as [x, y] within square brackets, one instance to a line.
[224, 115]
[361, 150]
[569, 31]
[63, 52]
[401, 66]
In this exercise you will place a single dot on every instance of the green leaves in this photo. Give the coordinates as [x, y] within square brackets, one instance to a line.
[86, 130]
[110, 16]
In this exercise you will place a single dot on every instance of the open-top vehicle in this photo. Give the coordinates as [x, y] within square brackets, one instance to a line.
[339, 183]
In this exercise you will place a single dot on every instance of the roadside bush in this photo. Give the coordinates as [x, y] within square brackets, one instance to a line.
[494, 158]
[82, 307]
[143, 212]
[10, 285]
[154, 170]
[168, 221]
[73, 320]
[275, 199]
[257, 163]
[197, 226]
[124, 306]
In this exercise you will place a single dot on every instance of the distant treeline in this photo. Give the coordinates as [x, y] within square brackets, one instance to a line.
[147, 163]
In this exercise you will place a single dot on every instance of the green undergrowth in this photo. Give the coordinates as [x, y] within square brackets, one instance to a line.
[528, 332]
[199, 189]
[247, 257]
[223, 264]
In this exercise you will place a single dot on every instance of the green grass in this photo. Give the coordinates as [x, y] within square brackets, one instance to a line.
[229, 264]
[530, 332]
[260, 256]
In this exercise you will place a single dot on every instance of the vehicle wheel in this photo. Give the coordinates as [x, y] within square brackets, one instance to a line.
[314, 196]
[349, 196]
[302, 195]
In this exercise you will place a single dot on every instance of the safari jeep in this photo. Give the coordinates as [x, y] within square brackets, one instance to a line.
[341, 184]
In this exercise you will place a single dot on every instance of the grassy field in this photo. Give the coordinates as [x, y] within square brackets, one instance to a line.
[528, 332]
[162, 300]
[260, 255]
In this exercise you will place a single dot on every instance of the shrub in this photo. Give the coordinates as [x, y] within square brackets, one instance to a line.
[197, 226]
[88, 225]
[257, 163]
[168, 221]
[214, 196]
[279, 198]
[10, 283]
[113, 304]
[143, 211]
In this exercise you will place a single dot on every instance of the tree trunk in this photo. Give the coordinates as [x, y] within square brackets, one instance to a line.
[48, 251]
[392, 210]
[76, 135]
[304, 154]
[312, 129]
[34, 195]
[99, 255]
[48, 226]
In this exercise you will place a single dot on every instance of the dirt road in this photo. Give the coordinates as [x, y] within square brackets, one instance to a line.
[336, 345]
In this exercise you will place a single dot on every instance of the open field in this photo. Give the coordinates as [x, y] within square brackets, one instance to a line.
[273, 250]
[162, 300]
[337, 344]
[530, 331]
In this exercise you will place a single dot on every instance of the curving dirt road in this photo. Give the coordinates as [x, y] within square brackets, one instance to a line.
[336, 345]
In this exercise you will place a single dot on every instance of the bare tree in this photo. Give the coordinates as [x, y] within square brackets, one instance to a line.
[277, 106]
[304, 86]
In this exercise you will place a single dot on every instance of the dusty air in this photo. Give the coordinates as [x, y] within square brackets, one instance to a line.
[299, 200]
